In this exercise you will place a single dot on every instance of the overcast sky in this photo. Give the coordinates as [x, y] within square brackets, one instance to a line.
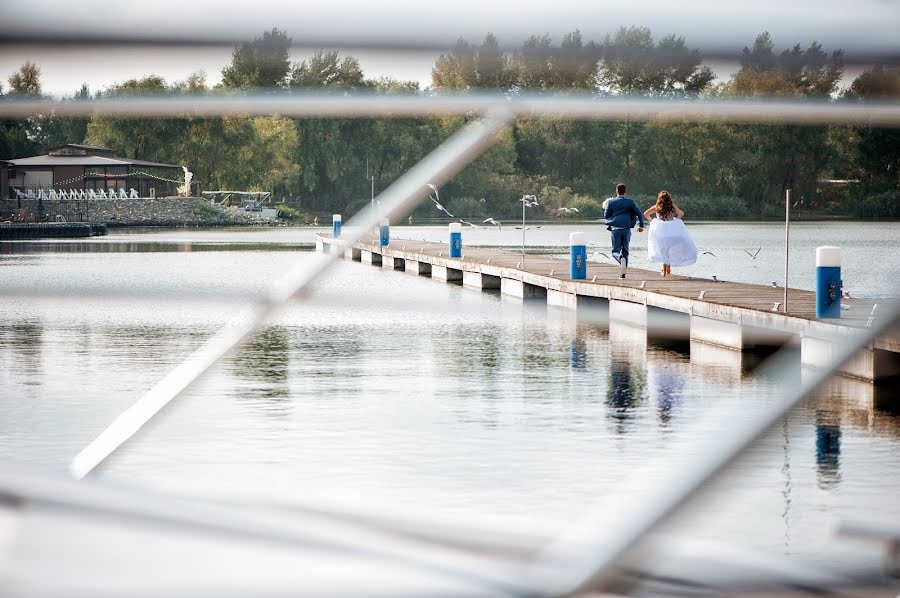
[861, 26]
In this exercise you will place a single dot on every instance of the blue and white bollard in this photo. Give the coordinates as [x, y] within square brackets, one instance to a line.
[336, 226]
[578, 264]
[455, 239]
[385, 232]
[828, 282]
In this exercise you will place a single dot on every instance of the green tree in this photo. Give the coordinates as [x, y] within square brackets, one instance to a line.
[14, 139]
[26, 82]
[632, 63]
[262, 63]
[876, 151]
[327, 70]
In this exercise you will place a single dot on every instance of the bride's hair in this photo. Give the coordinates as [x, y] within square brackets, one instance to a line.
[664, 205]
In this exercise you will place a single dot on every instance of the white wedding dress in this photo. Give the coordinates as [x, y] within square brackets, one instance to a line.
[670, 243]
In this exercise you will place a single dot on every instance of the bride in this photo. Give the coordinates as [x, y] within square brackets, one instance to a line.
[669, 242]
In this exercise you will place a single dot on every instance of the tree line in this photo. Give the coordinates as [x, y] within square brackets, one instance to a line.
[714, 170]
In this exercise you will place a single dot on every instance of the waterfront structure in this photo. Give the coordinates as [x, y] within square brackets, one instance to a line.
[707, 314]
[86, 168]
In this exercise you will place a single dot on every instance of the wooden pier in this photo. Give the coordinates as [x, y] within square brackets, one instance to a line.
[737, 316]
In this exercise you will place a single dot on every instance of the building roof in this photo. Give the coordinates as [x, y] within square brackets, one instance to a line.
[51, 161]
[80, 146]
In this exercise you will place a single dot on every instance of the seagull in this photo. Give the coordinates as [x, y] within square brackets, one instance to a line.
[715, 279]
[774, 284]
[494, 222]
[708, 253]
[754, 254]
[529, 200]
[567, 210]
[435, 199]
[461, 221]
[527, 227]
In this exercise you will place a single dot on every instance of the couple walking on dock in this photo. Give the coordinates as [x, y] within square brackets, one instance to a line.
[669, 242]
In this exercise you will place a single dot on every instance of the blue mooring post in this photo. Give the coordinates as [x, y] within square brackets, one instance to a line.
[455, 239]
[828, 282]
[385, 232]
[578, 264]
[336, 226]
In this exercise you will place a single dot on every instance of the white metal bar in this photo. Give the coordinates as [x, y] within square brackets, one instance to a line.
[574, 106]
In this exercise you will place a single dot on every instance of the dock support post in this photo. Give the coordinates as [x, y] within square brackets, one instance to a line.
[370, 257]
[352, 253]
[446, 274]
[477, 280]
[418, 268]
[717, 332]
[522, 290]
[628, 312]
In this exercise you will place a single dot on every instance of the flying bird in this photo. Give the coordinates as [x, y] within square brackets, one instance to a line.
[567, 210]
[529, 200]
[708, 253]
[753, 254]
[595, 255]
[494, 222]
[436, 200]
[461, 221]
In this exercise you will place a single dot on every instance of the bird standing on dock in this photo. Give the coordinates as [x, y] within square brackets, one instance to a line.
[436, 200]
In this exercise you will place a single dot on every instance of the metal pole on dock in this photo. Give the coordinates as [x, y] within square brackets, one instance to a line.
[787, 236]
[372, 180]
[523, 231]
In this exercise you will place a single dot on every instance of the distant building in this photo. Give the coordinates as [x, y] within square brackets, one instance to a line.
[74, 166]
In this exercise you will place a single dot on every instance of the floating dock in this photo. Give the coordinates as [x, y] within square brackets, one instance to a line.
[737, 316]
[50, 230]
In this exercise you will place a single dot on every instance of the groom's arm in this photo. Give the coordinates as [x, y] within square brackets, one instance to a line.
[637, 211]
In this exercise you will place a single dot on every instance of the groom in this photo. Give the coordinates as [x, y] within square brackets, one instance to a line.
[621, 216]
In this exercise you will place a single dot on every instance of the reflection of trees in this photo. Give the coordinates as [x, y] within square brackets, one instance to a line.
[25, 343]
[264, 361]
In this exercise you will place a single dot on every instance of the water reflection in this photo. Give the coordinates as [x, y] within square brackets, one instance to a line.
[24, 341]
[627, 385]
[665, 386]
[263, 361]
[828, 450]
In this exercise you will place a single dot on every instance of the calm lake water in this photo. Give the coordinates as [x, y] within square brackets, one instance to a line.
[407, 391]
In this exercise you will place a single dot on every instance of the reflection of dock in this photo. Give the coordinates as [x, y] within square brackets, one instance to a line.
[736, 316]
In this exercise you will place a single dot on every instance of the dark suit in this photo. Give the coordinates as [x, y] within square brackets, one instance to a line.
[621, 216]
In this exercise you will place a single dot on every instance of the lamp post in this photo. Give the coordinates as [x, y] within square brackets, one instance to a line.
[527, 202]
[787, 229]
[372, 180]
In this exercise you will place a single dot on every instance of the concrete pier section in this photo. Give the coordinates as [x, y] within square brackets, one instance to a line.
[703, 316]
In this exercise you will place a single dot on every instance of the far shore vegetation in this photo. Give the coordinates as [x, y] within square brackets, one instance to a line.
[713, 170]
